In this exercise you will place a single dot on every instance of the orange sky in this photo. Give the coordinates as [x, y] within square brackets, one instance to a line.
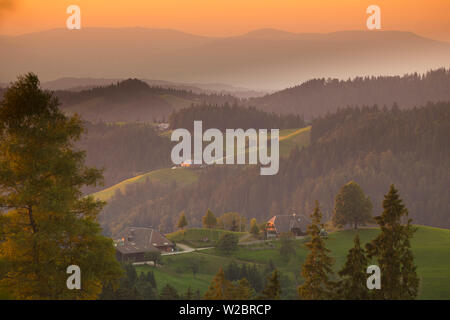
[429, 18]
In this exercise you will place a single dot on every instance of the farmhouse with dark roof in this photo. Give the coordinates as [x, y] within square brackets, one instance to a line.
[137, 241]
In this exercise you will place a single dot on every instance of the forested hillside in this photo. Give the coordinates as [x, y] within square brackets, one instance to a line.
[373, 146]
[135, 100]
[232, 117]
[316, 97]
[124, 151]
[132, 100]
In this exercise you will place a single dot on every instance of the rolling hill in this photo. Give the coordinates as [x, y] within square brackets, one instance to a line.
[131, 100]
[79, 84]
[315, 97]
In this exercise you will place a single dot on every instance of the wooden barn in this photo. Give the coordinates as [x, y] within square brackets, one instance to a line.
[137, 241]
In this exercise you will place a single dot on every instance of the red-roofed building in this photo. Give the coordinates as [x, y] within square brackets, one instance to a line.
[284, 224]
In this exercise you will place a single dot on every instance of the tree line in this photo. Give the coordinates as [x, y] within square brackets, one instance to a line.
[317, 97]
[232, 117]
[133, 100]
[133, 87]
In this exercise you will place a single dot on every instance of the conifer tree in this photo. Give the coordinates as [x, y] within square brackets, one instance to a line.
[318, 264]
[227, 243]
[197, 295]
[182, 221]
[392, 249]
[233, 272]
[189, 294]
[169, 293]
[209, 220]
[352, 285]
[151, 279]
[270, 267]
[219, 288]
[272, 290]
[242, 290]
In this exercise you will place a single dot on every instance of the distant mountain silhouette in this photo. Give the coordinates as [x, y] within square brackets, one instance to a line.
[266, 58]
[78, 84]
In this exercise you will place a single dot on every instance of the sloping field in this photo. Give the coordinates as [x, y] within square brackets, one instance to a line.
[289, 138]
[181, 175]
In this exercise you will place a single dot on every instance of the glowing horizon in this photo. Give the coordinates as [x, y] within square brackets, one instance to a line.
[232, 17]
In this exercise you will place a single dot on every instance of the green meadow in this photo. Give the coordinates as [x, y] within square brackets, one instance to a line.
[199, 237]
[431, 247]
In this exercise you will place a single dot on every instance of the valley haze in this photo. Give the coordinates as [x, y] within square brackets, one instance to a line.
[265, 59]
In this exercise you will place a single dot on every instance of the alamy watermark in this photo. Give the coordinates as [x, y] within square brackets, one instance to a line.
[235, 143]
[73, 22]
[374, 281]
[374, 20]
[74, 280]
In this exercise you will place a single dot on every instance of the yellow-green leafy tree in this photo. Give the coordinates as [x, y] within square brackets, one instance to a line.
[46, 223]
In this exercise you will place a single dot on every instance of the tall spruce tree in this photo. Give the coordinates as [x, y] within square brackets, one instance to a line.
[243, 290]
[219, 288]
[47, 225]
[189, 295]
[392, 249]
[169, 293]
[272, 290]
[317, 268]
[352, 285]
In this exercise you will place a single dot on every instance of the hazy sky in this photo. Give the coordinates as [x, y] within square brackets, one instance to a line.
[429, 18]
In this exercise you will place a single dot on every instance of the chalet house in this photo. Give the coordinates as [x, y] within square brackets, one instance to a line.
[190, 164]
[136, 242]
[284, 224]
